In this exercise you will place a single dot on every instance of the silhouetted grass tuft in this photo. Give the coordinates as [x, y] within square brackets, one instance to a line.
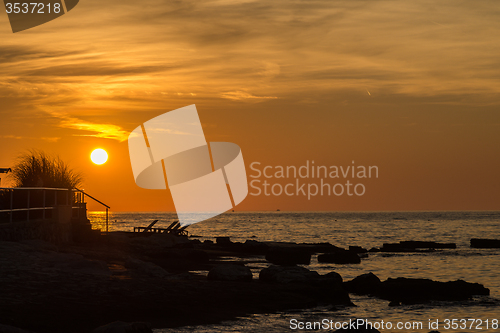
[37, 169]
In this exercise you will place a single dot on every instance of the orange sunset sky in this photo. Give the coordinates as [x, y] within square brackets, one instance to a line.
[412, 87]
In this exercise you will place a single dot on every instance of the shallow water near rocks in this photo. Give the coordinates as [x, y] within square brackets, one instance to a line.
[366, 230]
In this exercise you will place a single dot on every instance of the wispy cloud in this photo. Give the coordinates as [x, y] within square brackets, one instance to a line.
[241, 95]
[17, 137]
[106, 131]
[139, 57]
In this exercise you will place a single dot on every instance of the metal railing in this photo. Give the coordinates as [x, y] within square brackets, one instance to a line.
[22, 201]
[83, 193]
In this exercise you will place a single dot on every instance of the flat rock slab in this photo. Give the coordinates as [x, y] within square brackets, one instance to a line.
[481, 243]
[413, 291]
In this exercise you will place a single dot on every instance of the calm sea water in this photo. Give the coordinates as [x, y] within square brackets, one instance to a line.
[370, 229]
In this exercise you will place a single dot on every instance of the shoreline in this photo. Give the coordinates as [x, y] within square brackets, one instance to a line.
[49, 288]
[147, 278]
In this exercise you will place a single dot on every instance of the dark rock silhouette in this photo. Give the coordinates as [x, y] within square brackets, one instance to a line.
[254, 247]
[288, 256]
[223, 241]
[141, 268]
[365, 284]
[320, 247]
[196, 255]
[340, 257]
[333, 276]
[357, 249]
[327, 287]
[481, 243]
[230, 273]
[413, 291]
[412, 246]
[287, 274]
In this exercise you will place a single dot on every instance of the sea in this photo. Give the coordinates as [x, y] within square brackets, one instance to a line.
[366, 229]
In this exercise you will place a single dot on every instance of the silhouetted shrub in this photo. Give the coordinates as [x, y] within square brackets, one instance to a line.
[37, 169]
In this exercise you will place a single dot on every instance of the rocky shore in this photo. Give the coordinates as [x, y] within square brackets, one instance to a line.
[152, 278]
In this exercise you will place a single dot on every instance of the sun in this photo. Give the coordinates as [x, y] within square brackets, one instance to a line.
[99, 156]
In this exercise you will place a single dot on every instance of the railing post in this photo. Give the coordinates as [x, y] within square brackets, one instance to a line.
[11, 204]
[77, 199]
[28, 207]
[43, 214]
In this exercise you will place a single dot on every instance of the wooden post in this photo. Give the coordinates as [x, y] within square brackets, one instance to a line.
[106, 220]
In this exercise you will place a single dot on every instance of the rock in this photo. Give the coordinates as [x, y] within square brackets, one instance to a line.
[412, 246]
[340, 257]
[254, 247]
[153, 242]
[365, 284]
[188, 245]
[223, 241]
[357, 249]
[482, 243]
[122, 327]
[230, 273]
[185, 254]
[327, 287]
[413, 291]
[468, 288]
[196, 255]
[428, 245]
[331, 285]
[288, 256]
[146, 268]
[287, 274]
[333, 276]
[320, 247]
[11, 329]
[152, 245]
